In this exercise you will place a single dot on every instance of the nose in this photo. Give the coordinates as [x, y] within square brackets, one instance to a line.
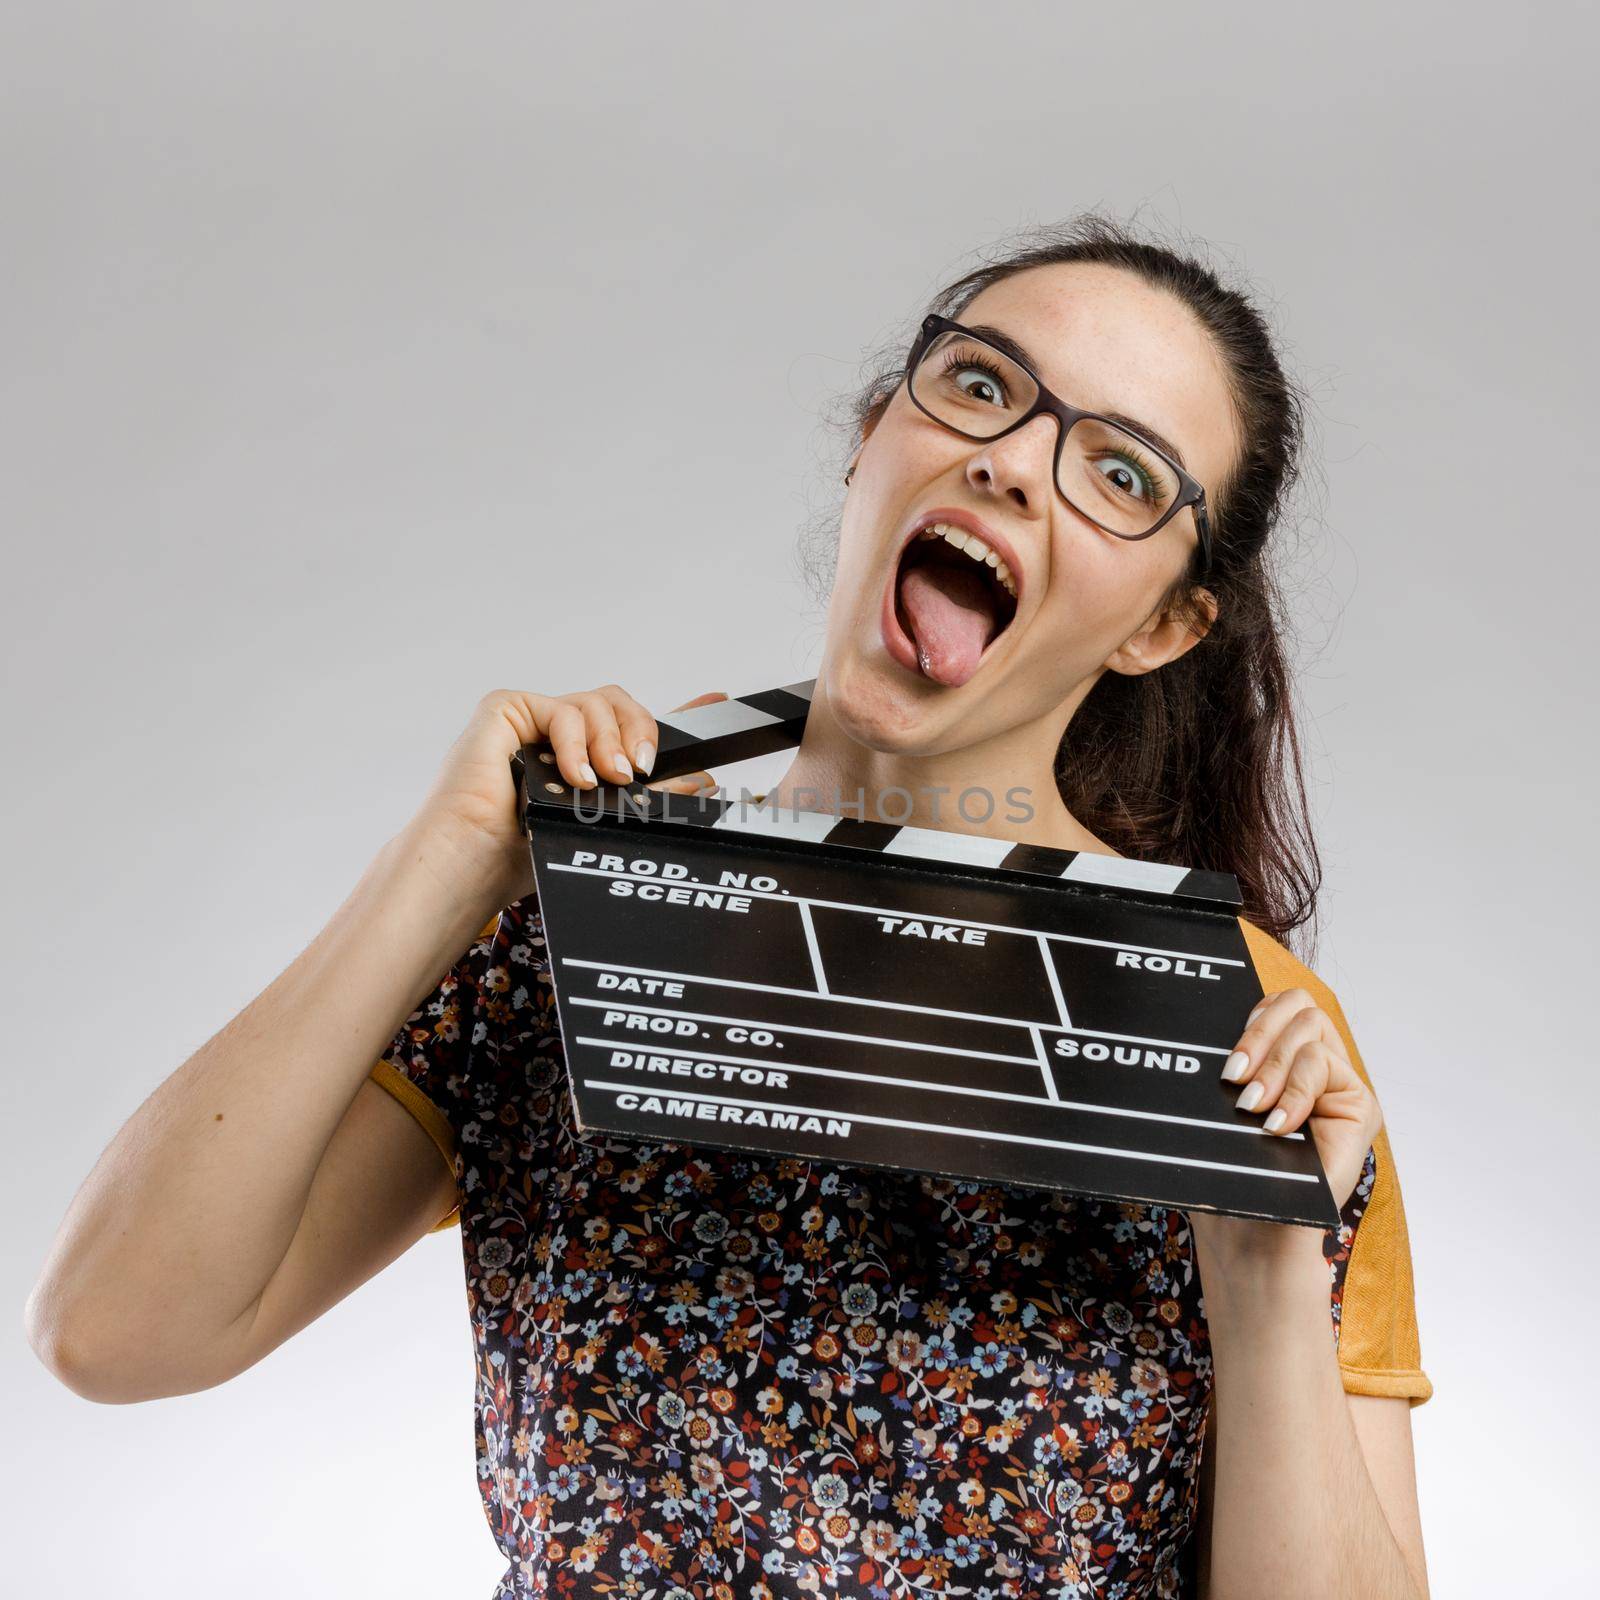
[1020, 466]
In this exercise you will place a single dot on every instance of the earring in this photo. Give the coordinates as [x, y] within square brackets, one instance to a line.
[850, 474]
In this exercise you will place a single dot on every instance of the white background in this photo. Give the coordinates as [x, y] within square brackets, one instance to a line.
[356, 359]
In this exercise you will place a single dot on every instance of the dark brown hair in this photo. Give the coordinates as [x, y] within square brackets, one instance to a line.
[1198, 762]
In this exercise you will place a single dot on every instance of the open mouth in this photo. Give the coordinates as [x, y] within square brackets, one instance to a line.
[953, 597]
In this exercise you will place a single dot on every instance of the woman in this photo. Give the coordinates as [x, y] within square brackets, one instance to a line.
[706, 1374]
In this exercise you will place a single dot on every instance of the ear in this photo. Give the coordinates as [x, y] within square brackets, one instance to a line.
[1167, 633]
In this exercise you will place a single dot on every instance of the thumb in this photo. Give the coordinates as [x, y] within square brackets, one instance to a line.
[702, 700]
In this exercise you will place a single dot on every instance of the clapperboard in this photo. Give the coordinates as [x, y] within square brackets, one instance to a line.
[759, 978]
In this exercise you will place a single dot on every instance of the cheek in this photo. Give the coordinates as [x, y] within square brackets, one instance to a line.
[905, 454]
[1101, 591]
[856, 550]
[892, 477]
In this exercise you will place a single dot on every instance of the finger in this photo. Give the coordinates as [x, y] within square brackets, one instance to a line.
[702, 700]
[685, 783]
[569, 743]
[1322, 1083]
[1267, 1076]
[710, 697]
[1310, 1072]
[605, 738]
[527, 714]
[1261, 1028]
[635, 727]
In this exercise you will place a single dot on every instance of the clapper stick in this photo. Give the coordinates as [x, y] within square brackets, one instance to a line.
[726, 731]
[757, 978]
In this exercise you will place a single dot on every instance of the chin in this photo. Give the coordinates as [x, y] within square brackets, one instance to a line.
[880, 705]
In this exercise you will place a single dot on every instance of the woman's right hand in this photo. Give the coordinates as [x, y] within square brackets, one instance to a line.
[597, 736]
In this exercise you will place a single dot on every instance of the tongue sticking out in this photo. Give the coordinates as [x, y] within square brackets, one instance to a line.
[952, 616]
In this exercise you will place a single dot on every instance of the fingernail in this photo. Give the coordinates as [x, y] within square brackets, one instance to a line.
[1275, 1119]
[1252, 1096]
[1235, 1067]
[645, 756]
[588, 773]
[623, 769]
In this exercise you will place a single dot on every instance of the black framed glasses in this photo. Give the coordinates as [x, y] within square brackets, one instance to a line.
[1105, 470]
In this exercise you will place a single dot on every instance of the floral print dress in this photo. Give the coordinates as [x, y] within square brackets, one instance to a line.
[704, 1375]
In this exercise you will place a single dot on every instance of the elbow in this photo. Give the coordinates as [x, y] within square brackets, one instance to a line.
[56, 1342]
[75, 1355]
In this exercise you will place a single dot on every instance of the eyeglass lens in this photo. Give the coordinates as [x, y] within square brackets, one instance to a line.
[1107, 473]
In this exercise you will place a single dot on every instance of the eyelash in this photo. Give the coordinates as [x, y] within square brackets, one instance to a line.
[957, 362]
[1151, 475]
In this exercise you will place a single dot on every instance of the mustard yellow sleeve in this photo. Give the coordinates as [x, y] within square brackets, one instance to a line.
[1379, 1347]
[432, 1120]
[425, 1063]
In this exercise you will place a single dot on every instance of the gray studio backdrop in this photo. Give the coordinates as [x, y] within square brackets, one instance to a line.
[309, 318]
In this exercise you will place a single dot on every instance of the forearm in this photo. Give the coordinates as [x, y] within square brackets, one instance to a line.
[1293, 1509]
[194, 1203]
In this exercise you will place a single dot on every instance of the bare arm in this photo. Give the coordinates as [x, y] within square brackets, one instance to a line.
[1313, 1493]
[267, 1177]
[156, 1276]
[1310, 1491]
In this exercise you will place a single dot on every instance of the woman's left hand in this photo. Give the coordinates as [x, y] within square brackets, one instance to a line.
[1296, 1072]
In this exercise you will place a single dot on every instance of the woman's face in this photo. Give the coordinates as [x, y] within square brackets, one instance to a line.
[1087, 601]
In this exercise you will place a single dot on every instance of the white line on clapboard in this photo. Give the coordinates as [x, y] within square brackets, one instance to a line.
[936, 1088]
[811, 945]
[968, 1133]
[882, 1005]
[1044, 1065]
[1055, 983]
[900, 912]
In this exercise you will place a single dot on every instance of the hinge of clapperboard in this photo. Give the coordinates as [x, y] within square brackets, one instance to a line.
[728, 731]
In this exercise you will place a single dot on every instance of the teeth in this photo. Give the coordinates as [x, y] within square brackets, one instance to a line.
[974, 547]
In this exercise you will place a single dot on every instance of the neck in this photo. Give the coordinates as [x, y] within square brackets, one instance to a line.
[1002, 787]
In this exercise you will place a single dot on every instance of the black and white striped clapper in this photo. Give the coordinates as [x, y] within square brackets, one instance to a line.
[797, 981]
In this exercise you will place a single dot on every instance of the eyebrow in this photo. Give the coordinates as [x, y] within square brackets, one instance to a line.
[1019, 353]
